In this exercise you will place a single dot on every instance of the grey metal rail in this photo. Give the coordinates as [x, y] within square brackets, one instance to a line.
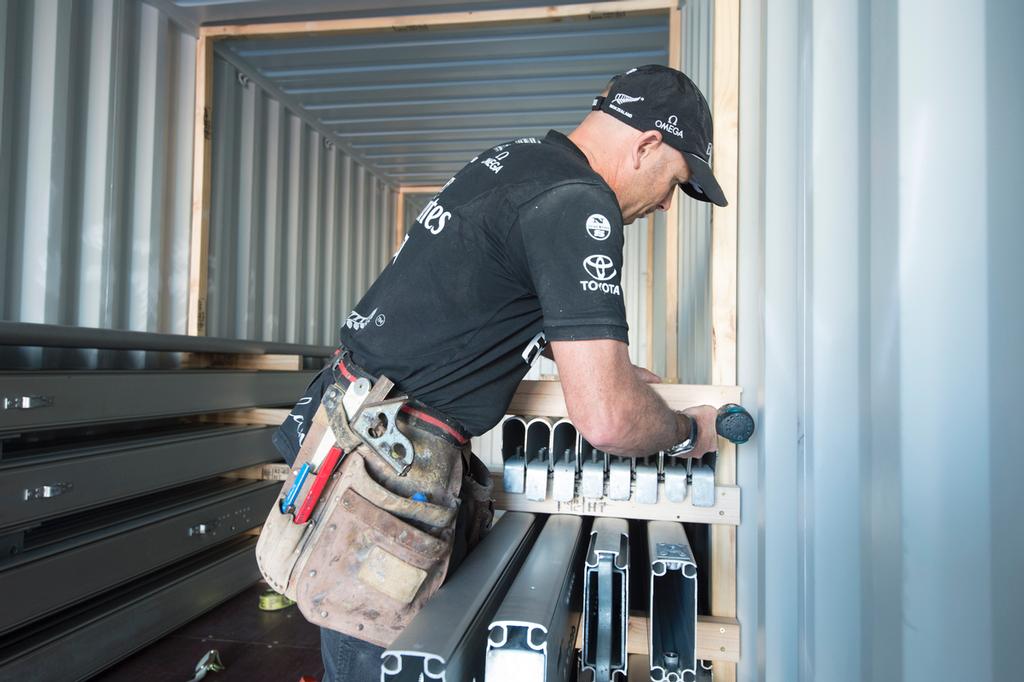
[102, 631]
[111, 554]
[672, 619]
[67, 480]
[63, 336]
[41, 399]
[446, 641]
[606, 600]
[533, 635]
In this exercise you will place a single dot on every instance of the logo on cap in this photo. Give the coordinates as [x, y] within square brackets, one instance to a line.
[623, 98]
[599, 266]
[672, 127]
[598, 227]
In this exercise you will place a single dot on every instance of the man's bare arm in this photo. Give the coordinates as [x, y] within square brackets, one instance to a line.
[612, 406]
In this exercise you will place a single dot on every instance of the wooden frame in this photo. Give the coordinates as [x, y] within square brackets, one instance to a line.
[400, 208]
[724, 100]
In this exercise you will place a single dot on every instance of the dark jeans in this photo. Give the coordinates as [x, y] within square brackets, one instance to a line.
[347, 659]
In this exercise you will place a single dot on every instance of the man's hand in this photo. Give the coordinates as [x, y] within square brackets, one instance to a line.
[645, 375]
[707, 436]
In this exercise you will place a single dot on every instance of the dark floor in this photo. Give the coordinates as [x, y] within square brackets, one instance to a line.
[254, 646]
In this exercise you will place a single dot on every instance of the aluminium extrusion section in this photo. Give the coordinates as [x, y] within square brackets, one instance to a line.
[31, 334]
[93, 397]
[702, 479]
[672, 615]
[446, 640]
[606, 600]
[94, 635]
[676, 473]
[620, 477]
[646, 473]
[565, 445]
[107, 553]
[532, 637]
[513, 454]
[538, 438]
[143, 465]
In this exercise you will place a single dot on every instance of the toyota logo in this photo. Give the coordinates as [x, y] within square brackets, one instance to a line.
[599, 267]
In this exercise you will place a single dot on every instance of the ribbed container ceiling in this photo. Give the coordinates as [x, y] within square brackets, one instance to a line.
[415, 106]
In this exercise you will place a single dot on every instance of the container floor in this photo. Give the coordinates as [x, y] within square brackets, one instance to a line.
[254, 646]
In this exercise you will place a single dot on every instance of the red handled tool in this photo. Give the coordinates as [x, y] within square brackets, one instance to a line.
[323, 475]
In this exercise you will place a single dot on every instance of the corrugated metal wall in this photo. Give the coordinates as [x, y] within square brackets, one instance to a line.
[298, 230]
[95, 164]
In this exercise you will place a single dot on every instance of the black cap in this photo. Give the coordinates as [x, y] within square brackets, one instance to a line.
[655, 97]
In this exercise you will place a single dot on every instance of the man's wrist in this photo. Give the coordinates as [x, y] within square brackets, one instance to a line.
[686, 436]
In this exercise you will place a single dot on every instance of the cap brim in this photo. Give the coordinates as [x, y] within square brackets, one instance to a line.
[702, 185]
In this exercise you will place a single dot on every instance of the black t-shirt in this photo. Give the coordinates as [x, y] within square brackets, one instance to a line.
[521, 247]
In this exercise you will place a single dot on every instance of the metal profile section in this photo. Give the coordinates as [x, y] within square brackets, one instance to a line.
[62, 336]
[647, 480]
[446, 640]
[513, 454]
[606, 600]
[58, 399]
[103, 555]
[672, 615]
[620, 477]
[538, 439]
[143, 465]
[676, 472]
[592, 473]
[565, 441]
[83, 641]
[702, 478]
[533, 635]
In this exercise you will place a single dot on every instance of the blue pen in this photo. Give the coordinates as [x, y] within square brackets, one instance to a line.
[288, 503]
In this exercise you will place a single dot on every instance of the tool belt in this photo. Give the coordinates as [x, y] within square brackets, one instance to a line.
[363, 542]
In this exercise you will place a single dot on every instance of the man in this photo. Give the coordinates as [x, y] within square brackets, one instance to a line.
[521, 249]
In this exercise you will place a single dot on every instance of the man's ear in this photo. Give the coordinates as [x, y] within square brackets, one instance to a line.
[645, 144]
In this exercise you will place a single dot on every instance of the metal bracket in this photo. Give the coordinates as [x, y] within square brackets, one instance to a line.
[620, 477]
[702, 478]
[48, 491]
[676, 474]
[377, 425]
[646, 481]
[26, 402]
[592, 475]
[537, 477]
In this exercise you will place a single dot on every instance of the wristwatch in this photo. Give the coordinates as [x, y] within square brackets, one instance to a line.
[688, 444]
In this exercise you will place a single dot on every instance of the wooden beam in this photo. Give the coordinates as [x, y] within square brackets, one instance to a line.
[419, 22]
[649, 284]
[726, 509]
[724, 264]
[202, 150]
[675, 60]
[399, 217]
[545, 398]
[718, 639]
[257, 416]
[267, 361]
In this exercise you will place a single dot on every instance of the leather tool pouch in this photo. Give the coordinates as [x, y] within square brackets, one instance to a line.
[370, 556]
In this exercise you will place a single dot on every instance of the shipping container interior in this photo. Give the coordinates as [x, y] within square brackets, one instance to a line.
[195, 194]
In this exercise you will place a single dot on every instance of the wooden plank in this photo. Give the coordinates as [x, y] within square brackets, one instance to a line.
[202, 152]
[268, 361]
[420, 22]
[258, 416]
[399, 218]
[545, 398]
[672, 230]
[649, 284]
[718, 639]
[725, 511]
[724, 264]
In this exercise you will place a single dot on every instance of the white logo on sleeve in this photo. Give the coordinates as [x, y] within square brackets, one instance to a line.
[598, 227]
[599, 266]
[602, 269]
[357, 322]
